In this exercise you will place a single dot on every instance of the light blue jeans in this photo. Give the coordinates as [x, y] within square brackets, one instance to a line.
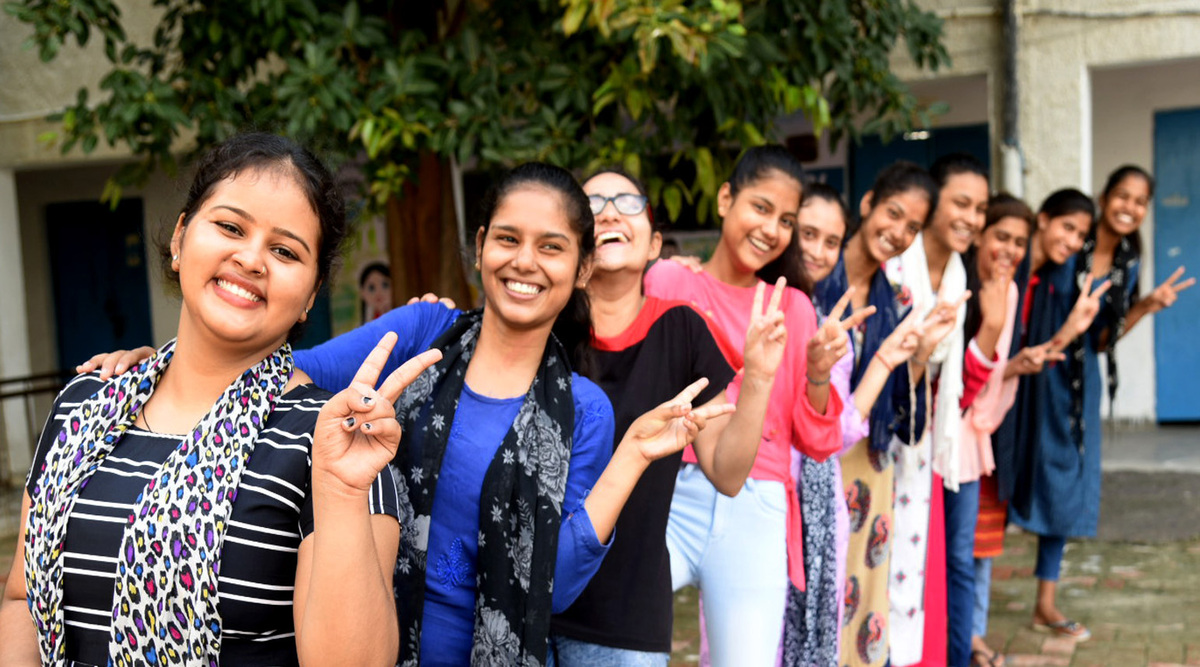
[567, 652]
[735, 550]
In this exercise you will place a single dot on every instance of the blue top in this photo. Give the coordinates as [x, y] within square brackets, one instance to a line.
[480, 425]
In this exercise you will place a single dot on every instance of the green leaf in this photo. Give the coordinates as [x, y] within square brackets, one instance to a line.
[673, 200]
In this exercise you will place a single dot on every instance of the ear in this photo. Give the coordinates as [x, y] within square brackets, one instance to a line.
[864, 204]
[584, 274]
[478, 246]
[656, 241]
[724, 199]
[1043, 222]
[312, 299]
[177, 242]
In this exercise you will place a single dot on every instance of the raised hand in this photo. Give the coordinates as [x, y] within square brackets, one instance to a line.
[938, 324]
[1085, 309]
[901, 344]
[993, 301]
[357, 433]
[766, 337]
[430, 297]
[671, 426]
[116, 362]
[1033, 359]
[1164, 295]
[831, 342]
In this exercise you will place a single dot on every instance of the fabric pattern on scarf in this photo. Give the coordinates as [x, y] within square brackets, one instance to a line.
[810, 637]
[165, 599]
[520, 504]
[1113, 308]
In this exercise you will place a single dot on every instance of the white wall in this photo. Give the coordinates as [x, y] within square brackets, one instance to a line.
[14, 360]
[1124, 101]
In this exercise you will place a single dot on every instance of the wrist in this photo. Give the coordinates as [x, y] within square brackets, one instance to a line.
[817, 380]
[328, 487]
[884, 361]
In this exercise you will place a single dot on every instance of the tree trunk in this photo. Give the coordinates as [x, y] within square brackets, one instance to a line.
[423, 244]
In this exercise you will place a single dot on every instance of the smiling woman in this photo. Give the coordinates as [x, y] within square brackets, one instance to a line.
[163, 524]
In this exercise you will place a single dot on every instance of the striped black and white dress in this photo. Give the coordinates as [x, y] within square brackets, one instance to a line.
[271, 515]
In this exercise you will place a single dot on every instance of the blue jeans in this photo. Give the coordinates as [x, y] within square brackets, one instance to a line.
[1049, 558]
[962, 509]
[567, 652]
[983, 593]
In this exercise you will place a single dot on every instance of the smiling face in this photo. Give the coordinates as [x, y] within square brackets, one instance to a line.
[623, 242]
[1001, 247]
[247, 260]
[1123, 210]
[757, 225]
[821, 228]
[891, 225]
[960, 213]
[1062, 236]
[529, 259]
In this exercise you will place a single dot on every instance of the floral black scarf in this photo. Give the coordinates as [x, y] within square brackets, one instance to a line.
[520, 508]
[1113, 308]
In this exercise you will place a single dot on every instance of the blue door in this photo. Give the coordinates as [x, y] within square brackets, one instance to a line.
[1177, 243]
[98, 272]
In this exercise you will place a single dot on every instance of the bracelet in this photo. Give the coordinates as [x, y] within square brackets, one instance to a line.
[884, 362]
[816, 383]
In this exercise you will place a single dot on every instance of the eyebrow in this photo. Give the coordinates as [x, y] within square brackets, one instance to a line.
[278, 230]
[511, 228]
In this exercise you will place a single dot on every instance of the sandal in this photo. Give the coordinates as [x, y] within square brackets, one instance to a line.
[985, 659]
[1065, 628]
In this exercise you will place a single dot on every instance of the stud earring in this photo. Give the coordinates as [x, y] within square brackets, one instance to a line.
[476, 265]
[174, 258]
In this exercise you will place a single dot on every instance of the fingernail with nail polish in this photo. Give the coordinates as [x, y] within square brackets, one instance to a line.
[350, 422]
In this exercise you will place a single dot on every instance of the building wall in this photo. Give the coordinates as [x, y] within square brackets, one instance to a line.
[162, 199]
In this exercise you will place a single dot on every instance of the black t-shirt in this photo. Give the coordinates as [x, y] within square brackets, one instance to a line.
[628, 604]
[271, 516]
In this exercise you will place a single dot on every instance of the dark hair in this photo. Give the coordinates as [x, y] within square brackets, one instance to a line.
[269, 152]
[637, 185]
[755, 164]
[956, 163]
[573, 326]
[904, 176]
[830, 194]
[1068, 201]
[1003, 205]
[373, 267]
[1114, 179]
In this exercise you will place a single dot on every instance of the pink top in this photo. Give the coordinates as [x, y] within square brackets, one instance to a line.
[987, 407]
[791, 421]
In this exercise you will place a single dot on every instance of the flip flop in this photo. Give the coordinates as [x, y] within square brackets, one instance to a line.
[986, 659]
[1065, 628]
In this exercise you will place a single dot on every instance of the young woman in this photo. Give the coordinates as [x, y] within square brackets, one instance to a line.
[508, 512]
[172, 515]
[375, 290]
[932, 269]
[743, 550]
[645, 349]
[1056, 466]
[893, 212]
[814, 615]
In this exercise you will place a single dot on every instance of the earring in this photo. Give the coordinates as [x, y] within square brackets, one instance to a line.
[477, 265]
[174, 258]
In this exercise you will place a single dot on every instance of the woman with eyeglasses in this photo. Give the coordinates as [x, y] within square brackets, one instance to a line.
[644, 350]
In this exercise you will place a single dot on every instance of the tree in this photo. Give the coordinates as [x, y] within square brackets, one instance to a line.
[400, 88]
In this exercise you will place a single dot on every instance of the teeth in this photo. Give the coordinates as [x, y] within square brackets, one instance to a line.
[611, 237]
[760, 245]
[963, 231]
[888, 246]
[230, 287]
[1125, 218]
[522, 288]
